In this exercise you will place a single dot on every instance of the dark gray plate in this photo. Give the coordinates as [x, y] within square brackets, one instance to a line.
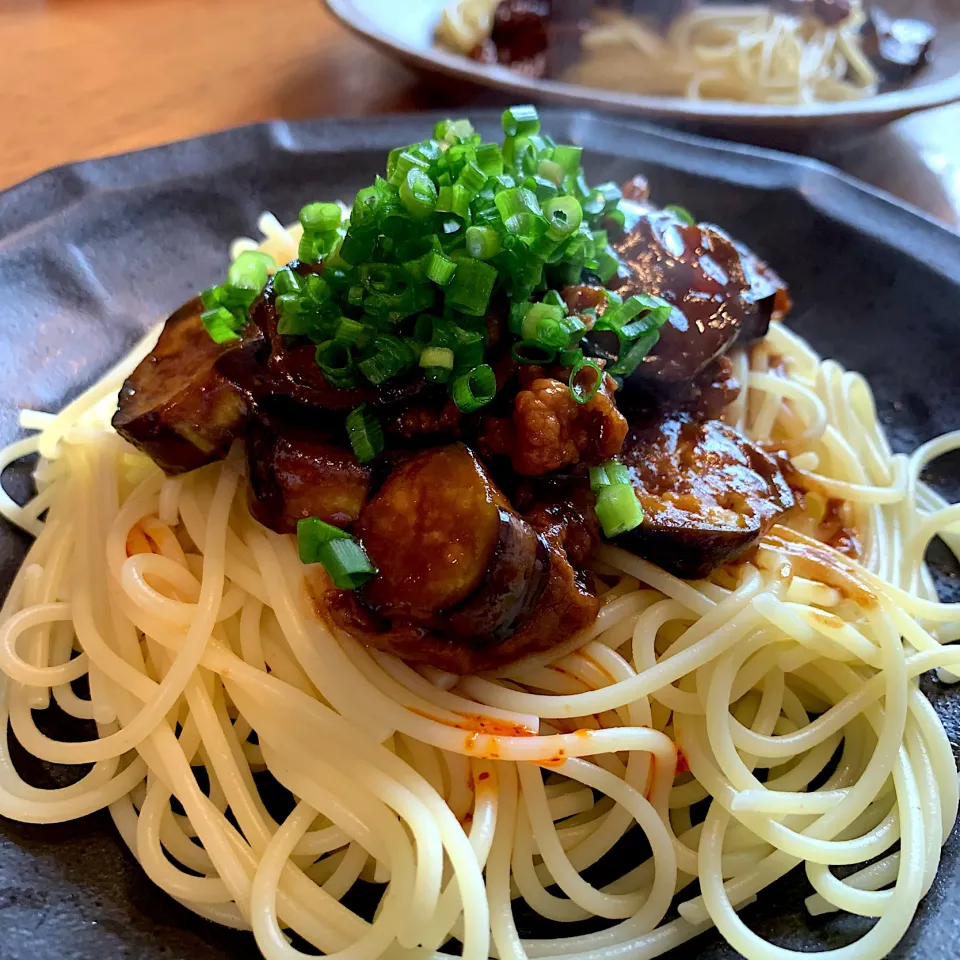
[92, 254]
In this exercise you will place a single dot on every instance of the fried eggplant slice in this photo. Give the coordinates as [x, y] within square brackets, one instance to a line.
[176, 407]
[295, 472]
[433, 532]
[708, 494]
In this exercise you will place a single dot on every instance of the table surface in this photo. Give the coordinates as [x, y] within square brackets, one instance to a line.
[86, 78]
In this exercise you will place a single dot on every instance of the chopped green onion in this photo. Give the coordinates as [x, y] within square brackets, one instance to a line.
[569, 357]
[613, 471]
[490, 159]
[574, 328]
[336, 361]
[221, 324]
[440, 269]
[602, 199]
[317, 289]
[552, 171]
[469, 352]
[365, 433]
[568, 159]
[475, 389]
[346, 563]
[418, 193]
[520, 212]
[313, 533]
[392, 357]
[483, 243]
[564, 216]
[294, 320]
[520, 121]
[344, 559]
[607, 265]
[310, 249]
[532, 351]
[681, 213]
[469, 291]
[320, 217]
[534, 314]
[618, 509]
[581, 393]
[349, 331]
[472, 178]
[249, 271]
[286, 281]
[437, 357]
[637, 350]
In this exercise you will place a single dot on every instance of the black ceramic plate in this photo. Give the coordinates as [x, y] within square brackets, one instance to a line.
[92, 254]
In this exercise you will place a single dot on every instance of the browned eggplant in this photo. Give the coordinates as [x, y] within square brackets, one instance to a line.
[721, 293]
[708, 494]
[529, 596]
[699, 273]
[566, 605]
[897, 47]
[766, 298]
[176, 406]
[280, 373]
[518, 37]
[296, 473]
[432, 532]
[514, 582]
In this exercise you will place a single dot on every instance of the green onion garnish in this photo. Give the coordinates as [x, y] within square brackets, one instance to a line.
[418, 193]
[437, 357]
[475, 389]
[440, 269]
[344, 559]
[335, 359]
[585, 392]
[564, 216]
[618, 509]
[520, 121]
[221, 324]
[483, 243]
[365, 433]
[320, 217]
[469, 291]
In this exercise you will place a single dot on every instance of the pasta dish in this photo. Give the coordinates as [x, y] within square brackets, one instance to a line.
[494, 546]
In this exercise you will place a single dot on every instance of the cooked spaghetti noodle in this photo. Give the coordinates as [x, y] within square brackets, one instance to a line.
[744, 52]
[784, 689]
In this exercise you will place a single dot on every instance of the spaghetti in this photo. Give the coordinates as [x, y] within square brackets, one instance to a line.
[783, 690]
[743, 52]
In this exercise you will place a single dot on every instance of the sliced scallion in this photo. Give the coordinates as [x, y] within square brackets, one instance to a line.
[365, 433]
[475, 389]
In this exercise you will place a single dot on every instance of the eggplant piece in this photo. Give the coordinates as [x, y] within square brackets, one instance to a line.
[566, 605]
[898, 48]
[296, 472]
[514, 582]
[698, 271]
[766, 297]
[280, 373]
[518, 37]
[463, 582]
[708, 494]
[175, 406]
[432, 532]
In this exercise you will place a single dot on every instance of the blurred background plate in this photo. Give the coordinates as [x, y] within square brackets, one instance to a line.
[93, 253]
[405, 29]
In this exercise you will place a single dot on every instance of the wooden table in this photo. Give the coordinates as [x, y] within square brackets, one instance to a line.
[84, 78]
